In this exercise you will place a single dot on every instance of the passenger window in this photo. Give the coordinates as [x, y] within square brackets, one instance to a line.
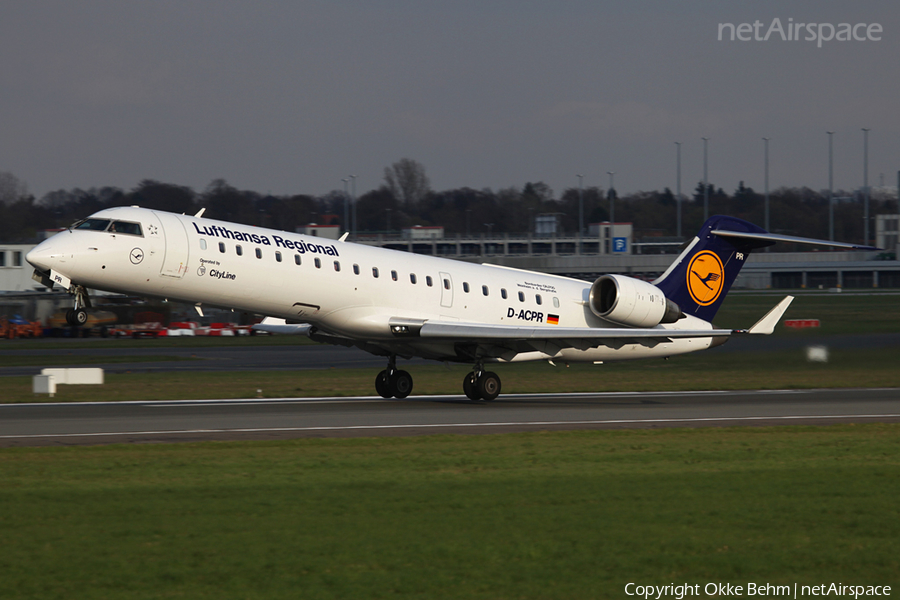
[394, 275]
[555, 302]
[239, 250]
[318, 262]
[503, 293]
[337, 266]
[222, 247]
[484, 290]
[258, 253]
[297, 258]
[356, 269]
[202, 244]
[278, 256]
[412, 278]
[375, 272]
[428, 281]
[446, 284]
[537, 298]
[521, 296]
[465, 287]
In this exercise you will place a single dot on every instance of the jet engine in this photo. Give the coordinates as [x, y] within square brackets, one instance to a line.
[633, 302]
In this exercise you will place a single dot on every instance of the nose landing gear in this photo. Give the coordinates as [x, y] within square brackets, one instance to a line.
[78, 316]
[393, 382]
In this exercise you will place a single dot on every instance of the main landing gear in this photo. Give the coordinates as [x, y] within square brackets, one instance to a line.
[397, 383]
[481, 384]
[393, 382]
[78, 316]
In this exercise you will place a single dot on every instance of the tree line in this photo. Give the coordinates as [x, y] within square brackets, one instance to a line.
[406, 199]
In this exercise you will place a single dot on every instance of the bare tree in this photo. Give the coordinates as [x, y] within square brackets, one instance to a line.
[407, 181]
[12, 189]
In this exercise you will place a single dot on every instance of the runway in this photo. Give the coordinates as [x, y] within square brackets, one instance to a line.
[56, 424]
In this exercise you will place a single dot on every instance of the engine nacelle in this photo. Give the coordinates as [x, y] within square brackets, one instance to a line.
[633, 302]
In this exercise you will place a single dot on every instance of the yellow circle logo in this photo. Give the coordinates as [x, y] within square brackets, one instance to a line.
[705, 277]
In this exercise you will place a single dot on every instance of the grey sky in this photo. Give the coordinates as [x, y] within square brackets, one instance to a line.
[290, 97]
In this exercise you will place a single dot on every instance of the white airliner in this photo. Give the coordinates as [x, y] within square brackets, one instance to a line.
[398, 304]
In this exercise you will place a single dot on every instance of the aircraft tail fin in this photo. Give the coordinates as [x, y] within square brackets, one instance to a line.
[701, 276]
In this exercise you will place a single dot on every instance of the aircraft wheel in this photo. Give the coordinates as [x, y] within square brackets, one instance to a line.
[70, 316]
[488, 386]
[470, 388]
[79, 317]
[401, 384]
[381, 385]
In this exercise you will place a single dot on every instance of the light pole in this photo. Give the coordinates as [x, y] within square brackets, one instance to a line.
[766, 153]
[866, 185]
[580, 211]
[705, 183]
[678, 185]
[353, 203]
[830, 185]
[346, 205]
[612, 208]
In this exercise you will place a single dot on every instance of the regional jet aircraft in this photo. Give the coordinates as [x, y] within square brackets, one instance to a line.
[397, 304]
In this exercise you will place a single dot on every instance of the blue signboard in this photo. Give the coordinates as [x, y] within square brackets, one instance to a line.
[620, 245]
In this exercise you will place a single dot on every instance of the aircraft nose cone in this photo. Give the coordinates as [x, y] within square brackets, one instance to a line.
[41, 256]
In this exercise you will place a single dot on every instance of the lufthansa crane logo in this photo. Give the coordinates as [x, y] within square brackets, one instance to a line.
[705, 277]
[136, 256]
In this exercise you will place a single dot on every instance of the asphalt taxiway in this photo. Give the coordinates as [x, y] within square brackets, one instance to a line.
[283, 418]
[227, 357]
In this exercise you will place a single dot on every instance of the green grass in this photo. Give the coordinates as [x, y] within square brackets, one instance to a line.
[838, 313]
[702, 371]
[537, 515]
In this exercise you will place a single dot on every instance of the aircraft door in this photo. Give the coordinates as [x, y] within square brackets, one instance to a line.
[446, 290]
[175, 260]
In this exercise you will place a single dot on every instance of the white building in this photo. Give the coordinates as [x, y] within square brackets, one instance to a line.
[15, 272]
[887, 230]
[615, 238]
[419, 232]
[330, 232]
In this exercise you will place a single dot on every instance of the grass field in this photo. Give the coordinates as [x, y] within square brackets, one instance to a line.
[537, 515]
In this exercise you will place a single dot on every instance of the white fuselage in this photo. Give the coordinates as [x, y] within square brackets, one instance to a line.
[342, 288]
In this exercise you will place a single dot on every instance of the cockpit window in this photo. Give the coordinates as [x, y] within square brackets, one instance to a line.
[125, 227]
[92, 224]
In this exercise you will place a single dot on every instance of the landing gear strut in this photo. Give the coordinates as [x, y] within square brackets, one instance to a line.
[77, 316]
[393, 382]
[481, 384]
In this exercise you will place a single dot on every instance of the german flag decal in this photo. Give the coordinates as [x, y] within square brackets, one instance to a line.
[553, 319]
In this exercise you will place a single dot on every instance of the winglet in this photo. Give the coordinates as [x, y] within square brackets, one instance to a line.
[766, 325]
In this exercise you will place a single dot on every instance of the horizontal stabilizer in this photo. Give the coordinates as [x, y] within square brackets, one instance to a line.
[774, 237]
[766, 325]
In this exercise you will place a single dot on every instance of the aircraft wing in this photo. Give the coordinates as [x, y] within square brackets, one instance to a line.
[586, 337]
[273, 325]
[541, 338]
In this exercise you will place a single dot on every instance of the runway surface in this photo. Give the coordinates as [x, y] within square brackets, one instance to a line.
[195, 420]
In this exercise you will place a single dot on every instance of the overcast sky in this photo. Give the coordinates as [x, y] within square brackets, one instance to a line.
[289, 97]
